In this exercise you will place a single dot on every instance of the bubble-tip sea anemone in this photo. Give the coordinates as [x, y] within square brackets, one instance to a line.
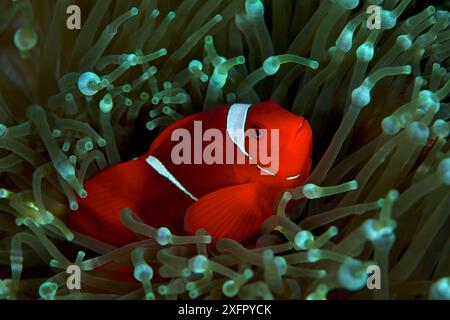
[75, 102]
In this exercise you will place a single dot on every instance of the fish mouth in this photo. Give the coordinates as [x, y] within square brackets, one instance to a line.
[302, 122]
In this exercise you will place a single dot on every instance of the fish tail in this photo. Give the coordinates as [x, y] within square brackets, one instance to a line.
[109, 193]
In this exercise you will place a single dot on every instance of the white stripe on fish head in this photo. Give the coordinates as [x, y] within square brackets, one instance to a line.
[237, 116]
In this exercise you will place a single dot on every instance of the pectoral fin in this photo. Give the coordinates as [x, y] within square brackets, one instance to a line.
[234, 212]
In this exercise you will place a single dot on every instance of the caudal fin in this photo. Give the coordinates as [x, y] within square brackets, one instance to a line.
[109, 192]
[135, 185]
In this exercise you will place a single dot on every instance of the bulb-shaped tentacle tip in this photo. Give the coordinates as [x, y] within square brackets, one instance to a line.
[47, 290]
[90, 83]
[320, 293]
[303, 240]
[163, 236]
[444, 171]
[199, 264]
[254, 8]
[372, 230]
[312, 191]
[440, 290]
[25, 39]
[352, 275]
[143, 272]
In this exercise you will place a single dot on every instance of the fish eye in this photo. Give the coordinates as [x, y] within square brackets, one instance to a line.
[258, 133]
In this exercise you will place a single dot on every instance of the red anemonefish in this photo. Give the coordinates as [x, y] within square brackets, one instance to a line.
[176, 185]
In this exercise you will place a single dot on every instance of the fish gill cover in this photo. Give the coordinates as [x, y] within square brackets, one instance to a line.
[73, 102]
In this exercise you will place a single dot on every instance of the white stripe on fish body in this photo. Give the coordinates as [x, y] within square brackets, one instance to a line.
[162, 170]
[268, 172]
[237, 116]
